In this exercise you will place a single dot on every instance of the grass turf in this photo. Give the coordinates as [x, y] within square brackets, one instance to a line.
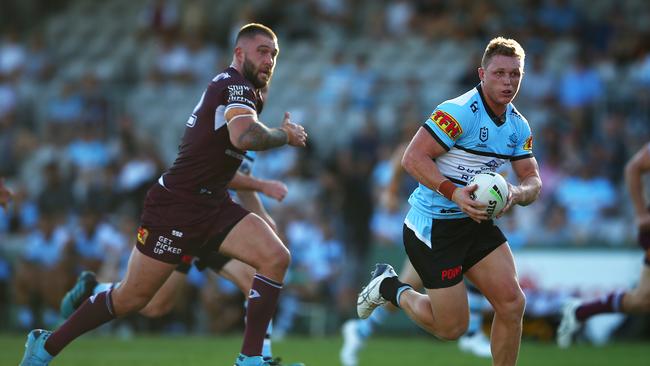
[192, 350]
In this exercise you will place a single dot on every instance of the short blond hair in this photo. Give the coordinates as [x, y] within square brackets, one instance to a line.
[504, 47]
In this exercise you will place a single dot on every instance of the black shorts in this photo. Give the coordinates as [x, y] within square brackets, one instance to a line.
[457, 245]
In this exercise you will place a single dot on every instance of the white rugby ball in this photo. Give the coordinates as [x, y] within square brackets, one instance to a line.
[492, 191]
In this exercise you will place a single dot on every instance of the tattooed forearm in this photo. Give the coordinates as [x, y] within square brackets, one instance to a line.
[258, 137]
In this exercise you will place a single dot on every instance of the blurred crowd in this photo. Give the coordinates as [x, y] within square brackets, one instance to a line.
[90, 116]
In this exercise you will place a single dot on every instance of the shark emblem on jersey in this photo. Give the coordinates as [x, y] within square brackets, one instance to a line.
[447, 124]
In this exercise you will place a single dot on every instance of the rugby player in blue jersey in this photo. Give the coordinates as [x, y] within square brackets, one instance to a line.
[633, 301]
[447, 235]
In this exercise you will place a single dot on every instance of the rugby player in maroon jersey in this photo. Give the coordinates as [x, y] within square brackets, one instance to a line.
[189, 209]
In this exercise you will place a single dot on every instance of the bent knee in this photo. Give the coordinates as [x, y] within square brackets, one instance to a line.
[127, 304]
[278, 256]
[156, 310]
[513, 304]
[451, 333]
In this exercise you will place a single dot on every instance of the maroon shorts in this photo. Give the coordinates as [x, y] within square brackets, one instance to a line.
[172, 226]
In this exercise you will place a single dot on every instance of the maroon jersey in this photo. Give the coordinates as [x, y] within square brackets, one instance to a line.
[207, 160]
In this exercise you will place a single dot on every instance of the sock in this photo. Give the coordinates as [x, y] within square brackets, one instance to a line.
[391, 288]
[105, 286]
[262, 301]
[608, 304]
[476, 301]
[267, 352]
[95, 311]
[367, 326]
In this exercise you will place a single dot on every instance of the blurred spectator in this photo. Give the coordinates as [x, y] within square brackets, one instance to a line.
[13, 55]
[399, 17]
[579, 90]
[159, 16]
[172, 60]
[203, 59]
[44, 272]
[586, 197]
[93, 238]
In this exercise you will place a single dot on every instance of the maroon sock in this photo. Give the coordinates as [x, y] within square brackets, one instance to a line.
[607, 304]
[95, 311]
[262, 302]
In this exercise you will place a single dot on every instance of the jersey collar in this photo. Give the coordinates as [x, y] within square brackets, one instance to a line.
[496, 119]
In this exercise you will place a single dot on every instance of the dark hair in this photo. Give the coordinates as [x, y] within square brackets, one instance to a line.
[250, 30]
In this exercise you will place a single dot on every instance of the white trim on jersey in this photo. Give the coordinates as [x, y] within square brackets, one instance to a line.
[417, 233]
[242, 115]
[239, 105]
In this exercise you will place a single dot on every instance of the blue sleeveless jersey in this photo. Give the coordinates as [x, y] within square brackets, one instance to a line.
[476, 141]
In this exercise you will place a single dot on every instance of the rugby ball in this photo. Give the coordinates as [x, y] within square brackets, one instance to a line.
[492, 191]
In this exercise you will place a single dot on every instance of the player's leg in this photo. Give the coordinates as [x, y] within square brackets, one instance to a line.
[253, 242]
[162, 302]
[495, 275]
[638, 299]
[355, 332]
[144, 277]
[166, 297]
[437, 249]
[474, 340]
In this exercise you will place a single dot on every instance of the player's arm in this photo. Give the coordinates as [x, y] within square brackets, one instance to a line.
[251, 201]
[390, 194]
[5, 193]
[419, 162]
[246, 182]
[530, 184]
[248, 133]
[634, 169]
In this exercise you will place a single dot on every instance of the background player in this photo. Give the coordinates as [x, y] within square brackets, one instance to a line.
[355, 332]
[446, 233]
[189, 210]
[632, 301]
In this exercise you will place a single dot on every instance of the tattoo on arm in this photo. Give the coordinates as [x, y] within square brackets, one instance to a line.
[259, 137]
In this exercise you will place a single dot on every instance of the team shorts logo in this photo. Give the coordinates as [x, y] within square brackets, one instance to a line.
[447, 124]
[528, 145]
[142, 235]
[451, 273]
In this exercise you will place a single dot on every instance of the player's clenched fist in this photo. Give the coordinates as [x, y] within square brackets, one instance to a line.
[296, 135]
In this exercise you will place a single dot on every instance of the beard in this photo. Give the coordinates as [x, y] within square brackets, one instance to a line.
[250, 72]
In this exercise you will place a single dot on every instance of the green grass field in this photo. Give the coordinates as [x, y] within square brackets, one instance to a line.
[195, 351]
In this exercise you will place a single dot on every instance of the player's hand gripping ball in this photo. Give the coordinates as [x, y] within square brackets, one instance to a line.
[492, 191]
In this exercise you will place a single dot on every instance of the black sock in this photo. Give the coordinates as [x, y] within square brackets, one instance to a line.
[389, 288]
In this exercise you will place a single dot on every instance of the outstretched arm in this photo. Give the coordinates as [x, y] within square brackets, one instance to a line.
[248, 133]
[638, 165]
[245, 182]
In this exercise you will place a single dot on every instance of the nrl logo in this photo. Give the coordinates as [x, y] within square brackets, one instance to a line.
[483, 135]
